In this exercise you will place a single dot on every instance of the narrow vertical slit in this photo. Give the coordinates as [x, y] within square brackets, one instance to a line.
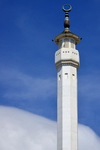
[66, 75]
[59, 77]
[73, 76]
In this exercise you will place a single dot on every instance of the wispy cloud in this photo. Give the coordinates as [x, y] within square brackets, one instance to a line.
[21, 86]
[89, 100]
[89, 86]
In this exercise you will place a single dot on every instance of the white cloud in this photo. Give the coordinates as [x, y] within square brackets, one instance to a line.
[88, 140]
[21, 130]
[21, 86]
[90, 85]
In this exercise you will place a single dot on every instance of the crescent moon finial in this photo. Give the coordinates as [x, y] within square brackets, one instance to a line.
[67, 21]
[67, 10]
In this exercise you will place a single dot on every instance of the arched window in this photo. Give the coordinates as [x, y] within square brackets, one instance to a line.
[72, 43]
[66, 42]
[60, 44]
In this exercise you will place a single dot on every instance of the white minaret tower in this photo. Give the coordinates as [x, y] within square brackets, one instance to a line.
[67, 63]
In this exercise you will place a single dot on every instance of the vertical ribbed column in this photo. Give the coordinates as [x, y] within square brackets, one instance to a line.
[67, 108]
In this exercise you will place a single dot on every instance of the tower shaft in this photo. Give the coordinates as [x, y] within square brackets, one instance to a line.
[67, 63]
[67, 108]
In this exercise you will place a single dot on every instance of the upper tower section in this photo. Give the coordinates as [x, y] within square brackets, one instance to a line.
[67, 32]
[66, 41]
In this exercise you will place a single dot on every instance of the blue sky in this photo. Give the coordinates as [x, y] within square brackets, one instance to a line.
[27, 69]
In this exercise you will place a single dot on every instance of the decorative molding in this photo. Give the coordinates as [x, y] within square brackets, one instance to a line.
[67, 63]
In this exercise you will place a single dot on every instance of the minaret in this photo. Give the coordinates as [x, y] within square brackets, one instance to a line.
[67, 63]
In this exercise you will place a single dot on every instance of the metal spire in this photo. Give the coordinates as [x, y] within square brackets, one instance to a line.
[67, 21]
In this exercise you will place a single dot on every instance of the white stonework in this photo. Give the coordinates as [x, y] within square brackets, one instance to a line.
[67, 62]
